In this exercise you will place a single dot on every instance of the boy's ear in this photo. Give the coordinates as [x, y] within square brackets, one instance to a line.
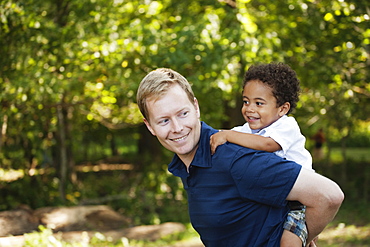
[149, 127]
[284, 108]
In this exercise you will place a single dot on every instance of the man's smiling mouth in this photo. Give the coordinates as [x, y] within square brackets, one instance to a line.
[180, 138]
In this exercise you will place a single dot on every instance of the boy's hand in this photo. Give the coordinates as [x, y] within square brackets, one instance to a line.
[218, 139]
[313, 243]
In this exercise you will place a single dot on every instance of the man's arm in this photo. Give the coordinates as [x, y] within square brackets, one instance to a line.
[322, 198]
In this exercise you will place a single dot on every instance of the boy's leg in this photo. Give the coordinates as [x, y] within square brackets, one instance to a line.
[290, 239]
[295, 229]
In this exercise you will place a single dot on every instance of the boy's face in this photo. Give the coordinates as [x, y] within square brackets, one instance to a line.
[260, 108]
[174, 120]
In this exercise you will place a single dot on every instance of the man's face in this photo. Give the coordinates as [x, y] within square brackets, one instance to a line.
[174, 120]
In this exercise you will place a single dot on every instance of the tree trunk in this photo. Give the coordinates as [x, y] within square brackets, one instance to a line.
[113, 145]
[326, 166]
[149, 149]
[63, 152]
[234, 114]
[68, 114]
[345, 160]
[4, 127]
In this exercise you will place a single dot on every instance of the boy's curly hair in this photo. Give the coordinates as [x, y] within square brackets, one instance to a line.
[280, 78]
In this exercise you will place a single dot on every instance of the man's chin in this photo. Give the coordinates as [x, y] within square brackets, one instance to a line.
[183, 151]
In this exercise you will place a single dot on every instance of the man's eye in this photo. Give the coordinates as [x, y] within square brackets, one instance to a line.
[184, 114]
[163, 122]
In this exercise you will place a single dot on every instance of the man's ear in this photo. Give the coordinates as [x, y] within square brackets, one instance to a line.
[149, 127]
[196, 105]
[284, 108]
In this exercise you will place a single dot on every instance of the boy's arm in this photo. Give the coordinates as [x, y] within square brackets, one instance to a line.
[322, 198]
[243, 139]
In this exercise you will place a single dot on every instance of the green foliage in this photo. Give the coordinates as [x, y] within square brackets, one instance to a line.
[70, 70]
[147, 197]
[359, 136]
[44, 238]
[35, 191]
[350, 225]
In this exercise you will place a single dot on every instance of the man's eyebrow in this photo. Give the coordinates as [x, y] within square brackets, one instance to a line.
[183, 109]
[167, 115]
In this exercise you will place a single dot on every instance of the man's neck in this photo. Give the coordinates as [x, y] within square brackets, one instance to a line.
[188, 158]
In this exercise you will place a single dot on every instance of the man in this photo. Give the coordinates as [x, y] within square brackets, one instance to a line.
[238, 196]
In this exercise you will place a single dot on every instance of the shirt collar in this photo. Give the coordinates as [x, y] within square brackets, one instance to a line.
[202, 156]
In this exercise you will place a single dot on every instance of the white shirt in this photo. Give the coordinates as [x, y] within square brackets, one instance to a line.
[285, 131]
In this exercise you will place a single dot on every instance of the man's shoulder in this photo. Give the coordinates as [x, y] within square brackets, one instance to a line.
[207, 129]
[228, 150]
[232, 153]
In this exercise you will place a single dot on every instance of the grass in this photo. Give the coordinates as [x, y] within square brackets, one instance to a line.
[345, 235]
[351, 226]
[45, 238]
[355, 154]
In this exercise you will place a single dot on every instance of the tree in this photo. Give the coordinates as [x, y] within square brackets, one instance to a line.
[70, 69]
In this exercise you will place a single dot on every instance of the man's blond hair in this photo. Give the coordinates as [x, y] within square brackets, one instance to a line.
[156, 84]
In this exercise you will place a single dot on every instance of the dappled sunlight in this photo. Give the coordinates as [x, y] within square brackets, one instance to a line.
[72, 134]
[104, 167]
[9, 175]
[343, 233]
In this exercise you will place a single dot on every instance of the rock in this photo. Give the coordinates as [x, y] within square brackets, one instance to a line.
[150, 232]
[17, 222]
[78, 218]
[76, 224]
[81, 218]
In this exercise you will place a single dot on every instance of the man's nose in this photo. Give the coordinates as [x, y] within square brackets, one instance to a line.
[177, 125]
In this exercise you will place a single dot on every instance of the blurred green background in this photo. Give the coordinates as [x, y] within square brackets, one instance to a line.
[71, 132]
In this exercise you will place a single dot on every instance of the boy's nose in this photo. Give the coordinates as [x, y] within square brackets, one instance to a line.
[249, 108]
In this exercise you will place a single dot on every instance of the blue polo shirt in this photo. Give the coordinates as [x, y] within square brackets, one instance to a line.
[236, 196]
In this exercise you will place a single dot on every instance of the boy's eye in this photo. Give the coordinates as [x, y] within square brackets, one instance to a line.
[259, 103]
[245, 102]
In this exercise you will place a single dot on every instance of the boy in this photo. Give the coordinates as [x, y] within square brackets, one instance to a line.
[270, 93]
